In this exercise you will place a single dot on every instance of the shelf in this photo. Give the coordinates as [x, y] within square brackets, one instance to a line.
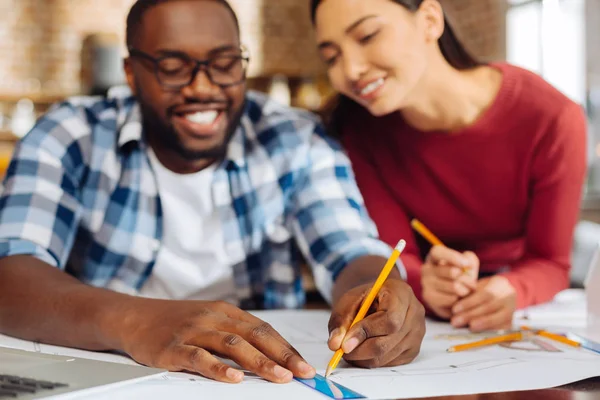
[6, 148]
[37, 98]
[7, 136]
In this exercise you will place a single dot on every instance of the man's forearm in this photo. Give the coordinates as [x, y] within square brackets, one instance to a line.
[39, 302]
[360, 271]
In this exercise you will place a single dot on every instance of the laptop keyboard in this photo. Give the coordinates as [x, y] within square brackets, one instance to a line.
[11, 387]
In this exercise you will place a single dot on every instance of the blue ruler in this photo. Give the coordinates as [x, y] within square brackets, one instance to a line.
[585, 343]
[330, 388]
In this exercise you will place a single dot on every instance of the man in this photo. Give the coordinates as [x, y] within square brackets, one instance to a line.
[160, 206]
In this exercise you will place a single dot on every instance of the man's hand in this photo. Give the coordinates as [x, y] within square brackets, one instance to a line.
[189, 335]
[490, 306]
[392, 332]
[443, 280]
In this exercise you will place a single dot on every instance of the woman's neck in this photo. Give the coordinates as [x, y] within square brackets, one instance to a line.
[452, 100]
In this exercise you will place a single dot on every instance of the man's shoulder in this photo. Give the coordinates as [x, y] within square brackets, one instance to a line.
[77, 118]
[265, 113]
[93, 110]
[276, 127]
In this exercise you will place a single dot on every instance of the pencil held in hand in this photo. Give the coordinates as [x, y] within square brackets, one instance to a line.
[425, 232]
[364, 308]
[430, 237]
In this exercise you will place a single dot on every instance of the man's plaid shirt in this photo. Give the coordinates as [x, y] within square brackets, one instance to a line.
[80, 194]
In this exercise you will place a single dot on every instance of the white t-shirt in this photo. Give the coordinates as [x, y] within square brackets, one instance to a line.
[191, 263]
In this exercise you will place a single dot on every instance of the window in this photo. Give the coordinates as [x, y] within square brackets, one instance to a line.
[549, 38]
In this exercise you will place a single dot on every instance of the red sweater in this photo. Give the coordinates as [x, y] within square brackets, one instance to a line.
[508, 187]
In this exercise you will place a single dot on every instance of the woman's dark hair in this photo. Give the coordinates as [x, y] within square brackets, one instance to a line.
[452, 50]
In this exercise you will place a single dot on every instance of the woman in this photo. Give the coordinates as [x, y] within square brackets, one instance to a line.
[491, 158]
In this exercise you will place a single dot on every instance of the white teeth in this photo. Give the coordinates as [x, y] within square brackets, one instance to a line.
[371, 87]
[203, 117]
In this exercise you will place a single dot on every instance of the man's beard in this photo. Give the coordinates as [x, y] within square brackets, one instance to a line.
[165, 135]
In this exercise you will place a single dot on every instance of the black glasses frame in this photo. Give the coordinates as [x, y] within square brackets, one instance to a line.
[203, 65]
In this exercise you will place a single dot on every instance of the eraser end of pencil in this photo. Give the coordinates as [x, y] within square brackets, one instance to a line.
[401, 245]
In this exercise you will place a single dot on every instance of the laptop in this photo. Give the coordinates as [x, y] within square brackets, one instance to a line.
[31, 375]
[593, 273]
[592, 292]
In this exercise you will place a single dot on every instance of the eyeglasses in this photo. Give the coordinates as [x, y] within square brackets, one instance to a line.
[177, 71]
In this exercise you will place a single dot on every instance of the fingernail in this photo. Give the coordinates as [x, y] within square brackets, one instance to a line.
[305, 368]
[234, 374]
[350, 345]
[281, 372]
[334, 333]
[458, 321]
[456, 309]
[336, 337]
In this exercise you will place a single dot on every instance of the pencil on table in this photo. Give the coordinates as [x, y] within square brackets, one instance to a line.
[558, 338]
[511, 337]
[553, 336]
[385, 271]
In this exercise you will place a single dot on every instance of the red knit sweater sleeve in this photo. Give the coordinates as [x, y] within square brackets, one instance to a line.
[558, 172]
[377, 200]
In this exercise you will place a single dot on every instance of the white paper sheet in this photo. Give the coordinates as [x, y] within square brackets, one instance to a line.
[567, 309]
[434, 373]
[439, 373]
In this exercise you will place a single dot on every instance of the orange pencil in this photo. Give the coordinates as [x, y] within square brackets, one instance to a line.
[553, 336]
[426, 233]
[385, 271]
[431, 238]
[511, 337]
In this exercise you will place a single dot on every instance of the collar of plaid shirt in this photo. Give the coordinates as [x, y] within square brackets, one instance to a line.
[285, 194]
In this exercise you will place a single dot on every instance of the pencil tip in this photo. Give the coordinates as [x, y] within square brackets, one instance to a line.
[328, 372]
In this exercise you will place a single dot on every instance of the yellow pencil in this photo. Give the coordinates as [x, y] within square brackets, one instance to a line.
[426, 233]
[552, 336]
[511, 337]
[389, 265]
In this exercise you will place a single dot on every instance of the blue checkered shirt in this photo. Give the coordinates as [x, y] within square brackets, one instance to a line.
[80, 194]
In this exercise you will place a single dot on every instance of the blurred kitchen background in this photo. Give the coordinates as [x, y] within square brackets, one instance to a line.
[50, 49]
